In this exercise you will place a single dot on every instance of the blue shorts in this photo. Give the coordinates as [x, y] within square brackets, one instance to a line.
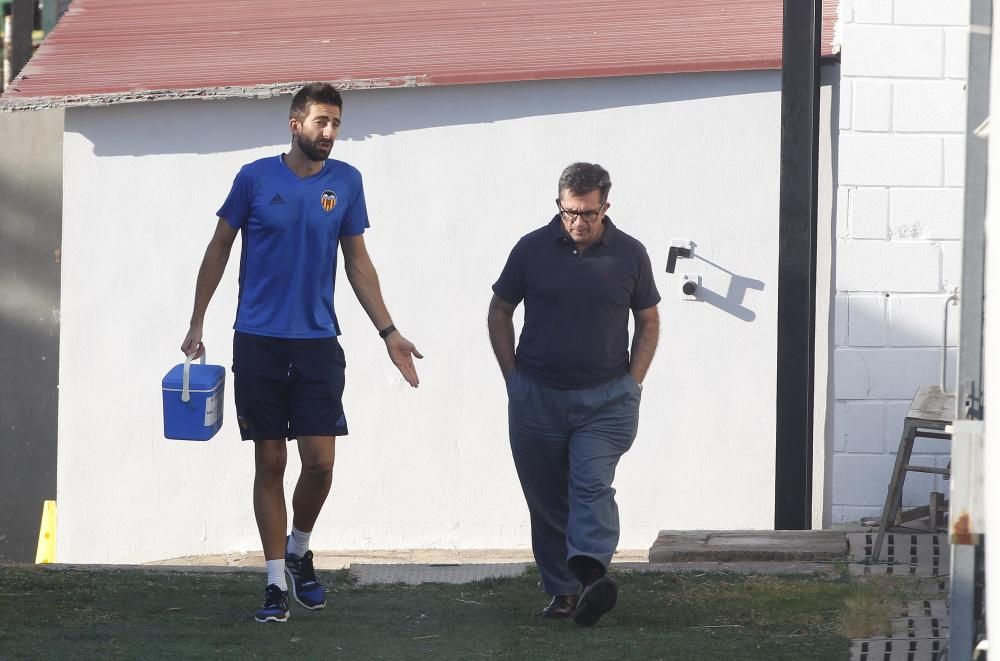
[288, 388]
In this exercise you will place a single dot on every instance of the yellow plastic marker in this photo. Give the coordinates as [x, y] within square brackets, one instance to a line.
[47, 534]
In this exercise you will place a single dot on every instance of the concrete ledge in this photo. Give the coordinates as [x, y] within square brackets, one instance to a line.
[415, 574]
[673, 546]
[770, 567]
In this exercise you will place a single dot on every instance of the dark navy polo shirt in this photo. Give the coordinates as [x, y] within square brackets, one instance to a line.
[576, 304]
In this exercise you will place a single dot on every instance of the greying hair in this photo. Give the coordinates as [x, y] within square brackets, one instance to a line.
[314, 93]
[582, 178]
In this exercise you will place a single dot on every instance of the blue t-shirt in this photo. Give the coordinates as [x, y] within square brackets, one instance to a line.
[290, 228]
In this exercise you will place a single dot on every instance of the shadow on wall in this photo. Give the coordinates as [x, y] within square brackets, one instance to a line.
[826, 291]
[732, 301]
[27, 202]
[200, 127]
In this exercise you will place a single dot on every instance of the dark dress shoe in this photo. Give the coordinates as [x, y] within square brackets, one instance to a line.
[597, 599]
[560, 607]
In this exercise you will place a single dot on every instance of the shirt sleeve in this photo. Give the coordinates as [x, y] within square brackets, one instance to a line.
[356, 219]
[645, 295]
[236, 209]
[510, 286]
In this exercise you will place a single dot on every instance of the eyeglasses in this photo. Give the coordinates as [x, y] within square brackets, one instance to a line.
[587, 216]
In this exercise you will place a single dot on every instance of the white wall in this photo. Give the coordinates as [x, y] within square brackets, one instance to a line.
[453, 177]
[899, 229]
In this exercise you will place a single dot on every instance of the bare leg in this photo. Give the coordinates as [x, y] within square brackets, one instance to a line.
[269, 496]
[317, 454]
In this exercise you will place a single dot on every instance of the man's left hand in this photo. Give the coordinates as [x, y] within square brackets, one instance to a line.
[401, 352]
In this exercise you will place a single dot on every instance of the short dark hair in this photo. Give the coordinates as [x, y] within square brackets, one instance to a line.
[582, 178]
[314, 93]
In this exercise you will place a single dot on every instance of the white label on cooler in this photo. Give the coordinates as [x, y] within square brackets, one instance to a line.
[211, 409]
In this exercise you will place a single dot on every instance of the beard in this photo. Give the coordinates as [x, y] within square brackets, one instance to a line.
[312, 150]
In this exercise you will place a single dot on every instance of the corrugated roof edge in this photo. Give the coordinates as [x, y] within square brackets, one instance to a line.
[265, 91]
[204, 93]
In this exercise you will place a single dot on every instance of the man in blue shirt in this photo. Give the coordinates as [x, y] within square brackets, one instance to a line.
[573, 386]
[293, 211]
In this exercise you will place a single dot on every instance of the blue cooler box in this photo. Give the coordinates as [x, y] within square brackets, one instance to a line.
[192, 401]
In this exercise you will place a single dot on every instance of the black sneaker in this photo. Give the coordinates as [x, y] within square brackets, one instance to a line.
[275, 608]
[597, 599]
[302, 582]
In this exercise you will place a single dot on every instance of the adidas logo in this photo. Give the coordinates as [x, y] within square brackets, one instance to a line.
[277, 199]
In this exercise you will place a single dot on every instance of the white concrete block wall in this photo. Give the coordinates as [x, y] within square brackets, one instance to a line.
[873, 109]
[873, 11]
[899, 253]
[922, 213]
[869, 213]
[956, 53]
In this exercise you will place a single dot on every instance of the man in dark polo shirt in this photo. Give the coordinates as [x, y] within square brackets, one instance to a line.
[573, 386]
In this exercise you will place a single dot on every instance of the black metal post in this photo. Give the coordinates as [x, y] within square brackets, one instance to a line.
[23, 19]
[802, 25]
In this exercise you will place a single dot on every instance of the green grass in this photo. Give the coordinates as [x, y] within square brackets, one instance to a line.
[140, 614]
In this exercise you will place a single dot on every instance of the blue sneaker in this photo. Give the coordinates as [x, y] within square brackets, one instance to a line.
[275, 608]
[302, 582]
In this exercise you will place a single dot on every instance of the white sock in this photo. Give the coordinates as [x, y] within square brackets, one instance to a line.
[298, 542]
[276, 573]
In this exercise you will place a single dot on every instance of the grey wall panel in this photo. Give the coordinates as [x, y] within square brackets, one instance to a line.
[30, 235]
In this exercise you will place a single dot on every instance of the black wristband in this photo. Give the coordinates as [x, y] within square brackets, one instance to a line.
[387, 331]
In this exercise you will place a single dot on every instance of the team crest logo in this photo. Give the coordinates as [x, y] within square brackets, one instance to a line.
[328, 200]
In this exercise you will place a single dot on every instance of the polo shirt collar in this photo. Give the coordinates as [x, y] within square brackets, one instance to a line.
[559, 232]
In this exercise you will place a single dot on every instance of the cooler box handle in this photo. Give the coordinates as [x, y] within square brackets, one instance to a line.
[186, 379]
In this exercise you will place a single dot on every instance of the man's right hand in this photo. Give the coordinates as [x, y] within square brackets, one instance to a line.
[192, 345]
[500, 323]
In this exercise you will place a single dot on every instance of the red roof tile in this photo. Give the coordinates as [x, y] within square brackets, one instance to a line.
[107, 51]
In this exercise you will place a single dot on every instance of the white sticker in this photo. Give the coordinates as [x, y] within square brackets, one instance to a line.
[212, 409]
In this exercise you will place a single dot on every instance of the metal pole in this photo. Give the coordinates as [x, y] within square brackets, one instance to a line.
[23, 19]
[797, 214]
[953, 299]
[966, 595]
[970, 359]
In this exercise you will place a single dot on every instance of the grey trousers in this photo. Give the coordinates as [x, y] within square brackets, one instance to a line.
[566, 446]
